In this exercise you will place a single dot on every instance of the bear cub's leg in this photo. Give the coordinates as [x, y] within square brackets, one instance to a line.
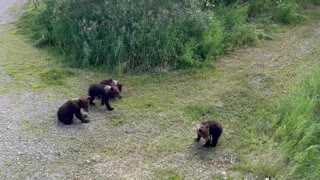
[105, 100]
[91, 101]
[81, 117]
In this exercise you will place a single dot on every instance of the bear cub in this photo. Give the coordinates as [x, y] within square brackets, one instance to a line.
[210, 131]
[105, 92]
[73, 107]
[112, 82]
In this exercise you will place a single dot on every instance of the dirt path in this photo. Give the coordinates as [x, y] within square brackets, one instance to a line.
[9, 9]
[149, 135]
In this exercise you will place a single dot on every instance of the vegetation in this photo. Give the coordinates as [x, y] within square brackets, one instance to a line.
[148, 35]
[141, 36]
[299, 130]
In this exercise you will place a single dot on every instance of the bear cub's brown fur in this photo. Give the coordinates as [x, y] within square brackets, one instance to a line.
[105, 92]
[112, 82]
[210, 131]
[73, 107]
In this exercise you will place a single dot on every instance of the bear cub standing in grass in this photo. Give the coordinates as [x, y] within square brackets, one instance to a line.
[105, 92]
[210, 131]
[112, 82]
[73, 107]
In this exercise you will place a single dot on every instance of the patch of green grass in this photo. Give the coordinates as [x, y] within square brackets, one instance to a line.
[55, 77]
[2, 89]
[146, 102]
[168, 174]
[219, 177]
[35, 130]
[116, 120]
[168, 143]
[36, 69]
[200, 111]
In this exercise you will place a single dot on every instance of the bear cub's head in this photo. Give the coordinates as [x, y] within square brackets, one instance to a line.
[112, 82]
[113, 91]
[84, 103]
[116, 83]
[203, 131]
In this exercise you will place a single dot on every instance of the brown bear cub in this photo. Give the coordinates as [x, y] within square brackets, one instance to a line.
[71, 108]
[112, 82]
[105, 92]
[210, 131]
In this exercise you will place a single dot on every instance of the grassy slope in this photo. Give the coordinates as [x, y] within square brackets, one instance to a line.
[150, 133]
[298, 129]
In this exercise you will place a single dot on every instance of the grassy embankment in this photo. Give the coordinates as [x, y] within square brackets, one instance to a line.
[130, 36]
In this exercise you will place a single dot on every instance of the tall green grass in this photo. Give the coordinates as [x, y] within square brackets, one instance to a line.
[146, 35]
[287, 12]
[299, 130]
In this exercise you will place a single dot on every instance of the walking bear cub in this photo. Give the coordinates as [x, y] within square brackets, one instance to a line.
[210, 131]
[112, 82]
[105, 92]
[73, 107]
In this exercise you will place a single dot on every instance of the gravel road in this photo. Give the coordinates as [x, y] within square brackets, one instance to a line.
[18, 150]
